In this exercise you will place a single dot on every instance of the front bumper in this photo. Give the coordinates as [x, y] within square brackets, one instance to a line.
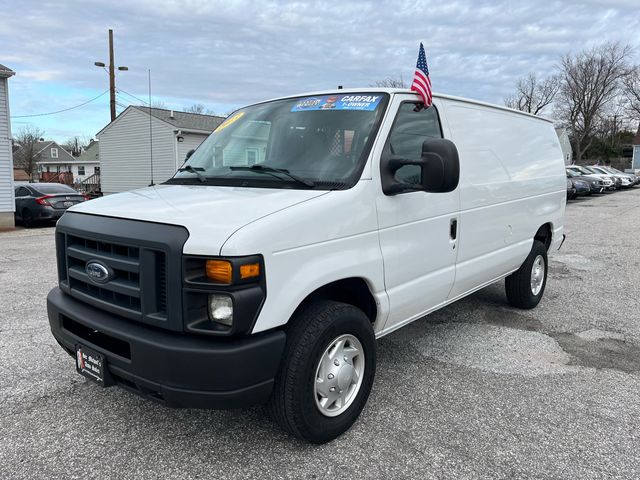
[176, 369]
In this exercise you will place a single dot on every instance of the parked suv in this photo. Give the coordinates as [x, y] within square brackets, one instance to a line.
[40, 202]
[233, 284]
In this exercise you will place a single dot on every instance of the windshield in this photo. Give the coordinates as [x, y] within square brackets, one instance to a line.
[588, 170]
[305, 142]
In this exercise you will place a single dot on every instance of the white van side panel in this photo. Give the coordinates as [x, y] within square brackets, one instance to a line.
[312, 244]
[512, 182]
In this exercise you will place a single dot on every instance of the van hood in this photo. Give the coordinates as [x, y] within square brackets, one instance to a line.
[210, 213]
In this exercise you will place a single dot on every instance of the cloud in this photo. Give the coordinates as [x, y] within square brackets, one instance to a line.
[225, 54]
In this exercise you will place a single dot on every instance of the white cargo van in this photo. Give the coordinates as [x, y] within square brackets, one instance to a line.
[300, 231]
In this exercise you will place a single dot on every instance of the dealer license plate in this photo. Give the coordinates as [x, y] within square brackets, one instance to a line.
[91, 364]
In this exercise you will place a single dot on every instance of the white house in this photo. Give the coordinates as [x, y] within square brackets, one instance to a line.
[565, 144]
[7, 204]
[128, 157]
[54, 160]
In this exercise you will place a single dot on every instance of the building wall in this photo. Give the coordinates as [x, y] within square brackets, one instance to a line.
[124, 152]
[191, 142]
[565, 144]
[7, 204]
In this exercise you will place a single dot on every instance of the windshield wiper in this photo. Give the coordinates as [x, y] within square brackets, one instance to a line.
[270, 171]
[196, 170]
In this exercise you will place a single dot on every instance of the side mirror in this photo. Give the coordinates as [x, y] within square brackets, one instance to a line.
[439, 165]
[189, 153]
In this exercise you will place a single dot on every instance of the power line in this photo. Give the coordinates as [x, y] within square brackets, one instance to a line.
[131, 95]
[63, 110]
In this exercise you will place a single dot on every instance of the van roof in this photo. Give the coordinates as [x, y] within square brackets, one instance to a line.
[407, 91]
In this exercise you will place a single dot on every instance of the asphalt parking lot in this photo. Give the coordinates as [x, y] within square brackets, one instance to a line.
[476, 390]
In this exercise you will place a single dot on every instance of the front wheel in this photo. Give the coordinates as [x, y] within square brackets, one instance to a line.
[327, 371]
[525, 286]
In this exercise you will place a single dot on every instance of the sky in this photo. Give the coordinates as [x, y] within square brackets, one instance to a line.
[226, 54]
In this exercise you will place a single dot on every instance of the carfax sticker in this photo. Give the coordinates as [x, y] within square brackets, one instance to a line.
[337, 102]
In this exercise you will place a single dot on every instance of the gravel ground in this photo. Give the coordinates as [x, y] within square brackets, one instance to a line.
[476, 390]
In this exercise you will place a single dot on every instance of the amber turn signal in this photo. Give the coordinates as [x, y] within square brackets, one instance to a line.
[219, 271]
[249, 270]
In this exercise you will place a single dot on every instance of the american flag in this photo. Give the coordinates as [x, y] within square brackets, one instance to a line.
[421, 81]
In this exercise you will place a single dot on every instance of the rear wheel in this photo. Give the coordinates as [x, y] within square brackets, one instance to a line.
[526, 285]
[27, 218]
[327, 371]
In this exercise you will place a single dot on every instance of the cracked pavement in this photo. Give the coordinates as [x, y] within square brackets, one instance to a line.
[475, 390]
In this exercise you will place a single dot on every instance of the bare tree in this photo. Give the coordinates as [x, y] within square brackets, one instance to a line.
[591, 80]
[632, 92]
[532, 94]
[390, 82]
[27, 155]
[76, 145]
[199, 109]
[158, 104]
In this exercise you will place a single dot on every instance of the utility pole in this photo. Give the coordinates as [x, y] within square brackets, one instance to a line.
[112, 76]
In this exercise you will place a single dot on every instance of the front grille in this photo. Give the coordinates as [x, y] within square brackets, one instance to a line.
[143, 260]
[122, 294]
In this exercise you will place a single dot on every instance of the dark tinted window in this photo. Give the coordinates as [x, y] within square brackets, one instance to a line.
[413, 125]
[22, 192]
[53, 189]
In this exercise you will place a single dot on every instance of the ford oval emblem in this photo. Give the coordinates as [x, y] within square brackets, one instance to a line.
[98, 272]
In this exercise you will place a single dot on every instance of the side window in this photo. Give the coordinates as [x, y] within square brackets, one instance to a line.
[411, 128]
[54, 153]
[80, 169]
[22, 192]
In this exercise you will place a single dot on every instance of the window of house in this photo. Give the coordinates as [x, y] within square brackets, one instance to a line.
[252, 156]
[48, 169]
[80, 169]
[412, 126]
[96, 169]
[57, 168]
[54, 153]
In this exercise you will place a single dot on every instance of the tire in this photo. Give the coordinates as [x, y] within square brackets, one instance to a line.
[296, 404]
[520, 284]
[27, 218]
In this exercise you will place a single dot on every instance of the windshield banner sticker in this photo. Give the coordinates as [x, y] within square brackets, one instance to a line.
[338, 102]
[229, 121]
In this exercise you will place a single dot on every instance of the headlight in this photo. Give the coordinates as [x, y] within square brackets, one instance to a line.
[221, 309]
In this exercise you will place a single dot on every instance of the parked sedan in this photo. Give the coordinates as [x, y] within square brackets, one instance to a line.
[627, 180]
[581, 187]
[571, 190]
[607, 179]
[39, 202]
[596, 184]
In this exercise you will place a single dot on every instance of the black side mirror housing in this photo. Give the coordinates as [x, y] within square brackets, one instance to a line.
[189, 153]
[439, 165]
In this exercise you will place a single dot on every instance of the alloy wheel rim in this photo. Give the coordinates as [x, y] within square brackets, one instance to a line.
[339, 375]
[537, 275]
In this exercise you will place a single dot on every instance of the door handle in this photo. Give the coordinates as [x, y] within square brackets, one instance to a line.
[453, 228]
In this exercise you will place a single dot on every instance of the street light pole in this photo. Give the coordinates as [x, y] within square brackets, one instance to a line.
[112, 76]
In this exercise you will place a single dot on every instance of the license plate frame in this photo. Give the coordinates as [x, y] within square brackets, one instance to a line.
[92, 365]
